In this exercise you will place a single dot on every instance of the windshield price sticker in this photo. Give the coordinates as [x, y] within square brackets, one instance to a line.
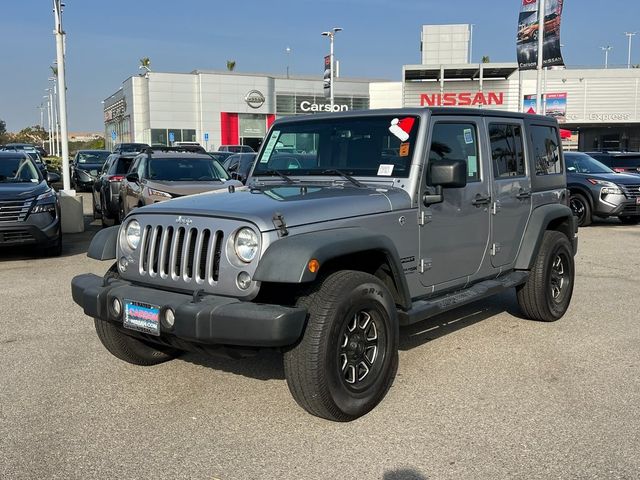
[404, 149]
[468, 136]
[268, 150]
[385, 170]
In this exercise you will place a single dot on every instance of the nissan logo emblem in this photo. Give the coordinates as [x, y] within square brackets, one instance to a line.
[255, 99]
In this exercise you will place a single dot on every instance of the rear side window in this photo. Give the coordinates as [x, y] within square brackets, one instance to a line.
[507, 150]
[546, 150]
[122, 165]
[456, 141]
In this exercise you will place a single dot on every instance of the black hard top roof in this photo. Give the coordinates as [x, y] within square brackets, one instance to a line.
[451, 111]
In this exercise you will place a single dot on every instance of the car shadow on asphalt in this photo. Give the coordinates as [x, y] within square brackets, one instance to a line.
[403, 474]
[268, 365]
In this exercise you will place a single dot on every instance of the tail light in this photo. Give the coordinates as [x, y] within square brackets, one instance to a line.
[115, 178]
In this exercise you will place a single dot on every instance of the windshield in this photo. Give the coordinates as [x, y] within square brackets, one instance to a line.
[583, 163]
[92, 157]
[186, 169]
[18, 169]
[380, 146]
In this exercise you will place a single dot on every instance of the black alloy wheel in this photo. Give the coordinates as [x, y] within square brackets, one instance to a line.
[581, 209]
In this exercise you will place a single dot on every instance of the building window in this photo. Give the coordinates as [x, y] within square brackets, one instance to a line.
[188, 136]
[546, 150]
[159, 136]
[506, 150]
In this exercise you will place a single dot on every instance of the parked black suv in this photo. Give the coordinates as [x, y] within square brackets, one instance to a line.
[85, 167]
[619, 162]
[29, 207]
[106, 189]
[596, 190]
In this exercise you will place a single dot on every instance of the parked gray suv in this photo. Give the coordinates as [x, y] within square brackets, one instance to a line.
[379, 219]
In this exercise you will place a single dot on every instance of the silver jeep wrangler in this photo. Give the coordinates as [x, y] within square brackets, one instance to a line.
[351, 225]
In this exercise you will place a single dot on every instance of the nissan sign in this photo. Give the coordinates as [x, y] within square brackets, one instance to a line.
[255, 99]
[461, 99]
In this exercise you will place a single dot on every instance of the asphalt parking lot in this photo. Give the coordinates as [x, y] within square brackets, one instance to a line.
[480, 393]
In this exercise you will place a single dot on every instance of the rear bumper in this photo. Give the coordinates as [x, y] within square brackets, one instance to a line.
[211, 320]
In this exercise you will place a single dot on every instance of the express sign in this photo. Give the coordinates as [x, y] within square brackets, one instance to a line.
[461, 99]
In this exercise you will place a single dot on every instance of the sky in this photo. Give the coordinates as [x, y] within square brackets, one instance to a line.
[105, 41]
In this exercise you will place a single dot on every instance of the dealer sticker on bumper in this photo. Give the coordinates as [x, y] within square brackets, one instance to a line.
[142, 317]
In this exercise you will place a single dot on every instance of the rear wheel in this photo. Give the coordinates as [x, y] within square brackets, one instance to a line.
[630, 220]
[348, 357]
[547, 293]
[581, 209]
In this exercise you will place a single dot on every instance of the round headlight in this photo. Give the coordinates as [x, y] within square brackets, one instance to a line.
[246, 244]
[133, 234]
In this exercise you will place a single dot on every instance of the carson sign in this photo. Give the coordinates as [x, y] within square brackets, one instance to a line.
[307, 106]
[461, 99]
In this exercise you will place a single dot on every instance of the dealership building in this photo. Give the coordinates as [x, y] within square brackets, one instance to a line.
[217, 108]
[600, 106]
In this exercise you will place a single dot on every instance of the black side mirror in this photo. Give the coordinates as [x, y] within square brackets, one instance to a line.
[133, 178]
[444, 174]
[53, 177]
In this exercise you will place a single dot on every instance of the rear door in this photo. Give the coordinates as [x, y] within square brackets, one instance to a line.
[511, 197]
[454, 234]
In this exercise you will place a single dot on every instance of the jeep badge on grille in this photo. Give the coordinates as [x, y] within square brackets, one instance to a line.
[184, 220]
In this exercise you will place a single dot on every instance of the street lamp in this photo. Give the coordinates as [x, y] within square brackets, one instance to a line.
[288, 52]
[331, 34]
[62, 90]
[630, 35]
[49, 122]
[606, 51]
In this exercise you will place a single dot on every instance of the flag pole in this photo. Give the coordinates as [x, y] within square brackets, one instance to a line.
[541, 12]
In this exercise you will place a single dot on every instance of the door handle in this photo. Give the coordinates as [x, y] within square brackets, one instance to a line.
[524, 194]
[480, 200]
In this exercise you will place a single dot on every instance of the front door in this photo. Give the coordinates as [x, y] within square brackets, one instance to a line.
[511, 205]
[455, 233]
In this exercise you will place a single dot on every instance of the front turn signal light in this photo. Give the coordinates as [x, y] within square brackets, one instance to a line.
[313, 265]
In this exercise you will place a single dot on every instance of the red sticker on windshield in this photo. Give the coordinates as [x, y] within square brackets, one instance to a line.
[401, 128]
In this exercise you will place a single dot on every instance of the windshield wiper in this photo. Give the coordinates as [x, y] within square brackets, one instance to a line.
[333, 171]
[280, 174]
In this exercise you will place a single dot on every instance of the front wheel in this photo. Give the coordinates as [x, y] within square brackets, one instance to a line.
[348, 357]
[581, 209]
[547, 293]
[129, 349]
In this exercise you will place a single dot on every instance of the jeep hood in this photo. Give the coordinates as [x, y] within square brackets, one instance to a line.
[299, 204]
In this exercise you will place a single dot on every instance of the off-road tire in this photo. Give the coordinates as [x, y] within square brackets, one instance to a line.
[629, 220]
[129, 349]
[319, 369]
[581, 209]
[547, 293]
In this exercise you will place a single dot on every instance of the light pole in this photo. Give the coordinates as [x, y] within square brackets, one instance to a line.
[288, 52]
[606, 51]
[541, 15]
[49, 122]
[62, 91]
[331, 34]
[630, 35]
[56, 118]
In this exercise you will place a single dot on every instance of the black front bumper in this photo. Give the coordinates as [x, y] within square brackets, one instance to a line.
[209, 320]
[24, 233]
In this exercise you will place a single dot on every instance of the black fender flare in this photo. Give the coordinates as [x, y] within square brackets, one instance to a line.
[541, 218]
[103, 244]
[286, 260]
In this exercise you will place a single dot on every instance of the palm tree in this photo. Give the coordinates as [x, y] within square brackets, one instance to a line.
[231, 65]
[145, 64]
[486, 59]
[54, 70]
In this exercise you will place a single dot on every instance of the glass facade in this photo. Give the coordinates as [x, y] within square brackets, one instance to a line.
[161, 136]
[291, 104]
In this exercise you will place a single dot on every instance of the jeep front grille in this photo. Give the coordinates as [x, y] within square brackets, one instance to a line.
[181, 253]
[14, 210]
